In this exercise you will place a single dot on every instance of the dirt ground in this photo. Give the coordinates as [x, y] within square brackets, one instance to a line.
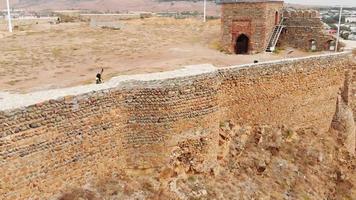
[43, 56]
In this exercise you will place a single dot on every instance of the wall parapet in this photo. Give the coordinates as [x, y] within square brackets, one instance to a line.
[9, 101]
[301, 14]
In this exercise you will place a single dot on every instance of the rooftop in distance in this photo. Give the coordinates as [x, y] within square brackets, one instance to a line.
[245, 1]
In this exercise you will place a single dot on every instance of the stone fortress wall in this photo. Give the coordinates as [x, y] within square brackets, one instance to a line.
[113, 21]
[303, 27]
[52, 139]
[115, 17]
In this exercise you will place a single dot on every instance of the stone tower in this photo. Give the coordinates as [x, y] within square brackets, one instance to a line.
[247, 25]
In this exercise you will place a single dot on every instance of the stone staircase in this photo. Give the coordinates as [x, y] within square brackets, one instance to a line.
[272, 42]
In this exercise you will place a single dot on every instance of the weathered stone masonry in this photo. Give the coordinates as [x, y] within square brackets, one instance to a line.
[303, 27]
[248, 26]
[293, 93]
[138, 125]
[255, 19]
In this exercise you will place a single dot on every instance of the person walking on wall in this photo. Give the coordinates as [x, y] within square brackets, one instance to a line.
[99, 78]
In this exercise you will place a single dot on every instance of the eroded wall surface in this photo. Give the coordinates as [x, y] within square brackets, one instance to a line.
[301, 93]
[141, 125]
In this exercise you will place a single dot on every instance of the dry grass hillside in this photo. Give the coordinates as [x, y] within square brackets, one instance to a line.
[42, 56]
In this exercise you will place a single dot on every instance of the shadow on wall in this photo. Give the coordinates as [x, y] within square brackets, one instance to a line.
[344, 122]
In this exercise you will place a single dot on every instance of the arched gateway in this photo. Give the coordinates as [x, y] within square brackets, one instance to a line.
[242, 44]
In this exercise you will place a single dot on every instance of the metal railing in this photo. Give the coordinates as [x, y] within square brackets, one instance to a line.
[276, 33]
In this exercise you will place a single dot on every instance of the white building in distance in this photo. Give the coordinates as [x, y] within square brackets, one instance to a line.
[350, 19]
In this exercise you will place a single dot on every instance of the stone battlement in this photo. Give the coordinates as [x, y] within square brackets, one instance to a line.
[301, 14]
[303, 29]
[50, 139]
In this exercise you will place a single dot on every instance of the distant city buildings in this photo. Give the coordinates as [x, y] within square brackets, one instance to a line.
[348, 26]
[350, 19]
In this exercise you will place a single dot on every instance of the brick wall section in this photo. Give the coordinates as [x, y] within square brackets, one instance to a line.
[255, 20]
[271, 22]
[60, 142]
[45, 146]
[301, 28]
[294, 94]
[139, 124]
[158, 117]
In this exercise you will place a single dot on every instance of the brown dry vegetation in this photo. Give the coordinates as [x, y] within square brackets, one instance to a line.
[114, 5]
[42, 56]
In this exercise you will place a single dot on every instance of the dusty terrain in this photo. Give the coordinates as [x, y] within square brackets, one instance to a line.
[113, 5]
[42, 56]
[121, 5]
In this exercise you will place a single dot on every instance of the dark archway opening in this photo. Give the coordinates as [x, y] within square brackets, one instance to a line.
[241, 46]
[312, 45]
[330, 45]
[276, 18]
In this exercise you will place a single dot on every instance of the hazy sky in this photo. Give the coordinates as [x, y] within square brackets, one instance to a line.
[325, 2]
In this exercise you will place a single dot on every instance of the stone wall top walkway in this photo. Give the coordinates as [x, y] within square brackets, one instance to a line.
[10, 101]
